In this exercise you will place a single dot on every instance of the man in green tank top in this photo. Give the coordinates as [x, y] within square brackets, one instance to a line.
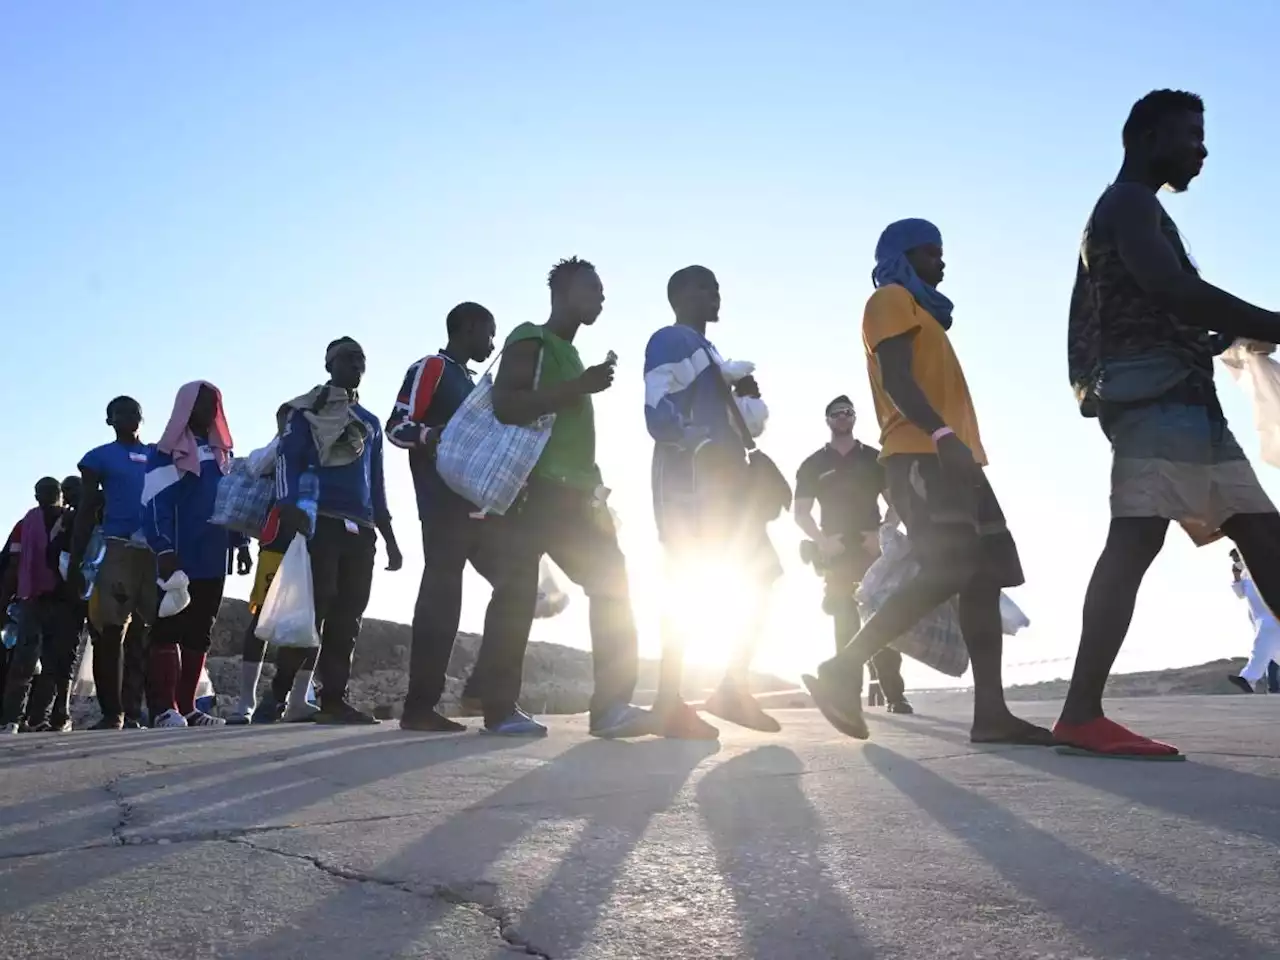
[562, 512]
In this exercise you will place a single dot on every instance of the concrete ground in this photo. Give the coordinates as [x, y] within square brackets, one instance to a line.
[361, 844]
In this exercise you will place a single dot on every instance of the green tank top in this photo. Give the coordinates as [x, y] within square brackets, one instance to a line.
[570, 454]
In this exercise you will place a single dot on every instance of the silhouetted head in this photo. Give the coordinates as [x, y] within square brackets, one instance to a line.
[71, 487]
[48, 492]
[576, 290]
[841, 416]
[204, 411]
[124, 415]
[1165, 133]
[471, 330]
[694, 295]
[344, 361]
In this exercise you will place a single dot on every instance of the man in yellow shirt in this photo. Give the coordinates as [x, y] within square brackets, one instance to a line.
[933, 459]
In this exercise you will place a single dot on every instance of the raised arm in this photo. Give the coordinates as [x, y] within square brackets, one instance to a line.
[515, 401]
[1134, 216]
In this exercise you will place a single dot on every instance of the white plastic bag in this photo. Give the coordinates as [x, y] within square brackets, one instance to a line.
[177, 594]
[1259, 377]
[288, 616]
[84, 686]
[552, 598]
[1012, 619]
[755, 414]
[262, 462]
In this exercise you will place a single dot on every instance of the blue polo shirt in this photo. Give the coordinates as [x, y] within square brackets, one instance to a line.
[120, 467]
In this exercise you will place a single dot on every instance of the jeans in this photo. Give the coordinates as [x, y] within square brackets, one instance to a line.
[342, 575]
[49, 635]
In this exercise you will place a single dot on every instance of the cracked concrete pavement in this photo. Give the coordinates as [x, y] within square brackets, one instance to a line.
[248, 844]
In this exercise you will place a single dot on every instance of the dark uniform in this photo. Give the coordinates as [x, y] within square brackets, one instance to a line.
[847, 488]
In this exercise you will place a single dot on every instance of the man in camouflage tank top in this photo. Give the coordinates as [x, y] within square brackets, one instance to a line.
[1144, 329]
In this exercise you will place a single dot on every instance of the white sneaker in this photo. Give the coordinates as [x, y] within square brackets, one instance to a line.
[199, 718]
[9, 728]
[171, 718]
[303, 713]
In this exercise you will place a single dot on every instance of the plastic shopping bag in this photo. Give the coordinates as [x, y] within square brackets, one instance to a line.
[1012, 619]
[288, 616]
[485, 461]
[936, 641]
[84, 686]
[1259, 377]
[552, 598]
[176, 594]
[243, 499]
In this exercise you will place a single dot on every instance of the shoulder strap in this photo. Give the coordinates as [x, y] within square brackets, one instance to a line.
[734, 413]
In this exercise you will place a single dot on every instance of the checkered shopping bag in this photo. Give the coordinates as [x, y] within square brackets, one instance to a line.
[936, 640]
[485, 461]
[244, 499]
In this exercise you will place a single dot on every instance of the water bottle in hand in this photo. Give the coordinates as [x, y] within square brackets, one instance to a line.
[309, 498]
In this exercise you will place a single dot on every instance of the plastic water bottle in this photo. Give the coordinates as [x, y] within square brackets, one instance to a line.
[9, 633]
[92, 562]
[309, 497]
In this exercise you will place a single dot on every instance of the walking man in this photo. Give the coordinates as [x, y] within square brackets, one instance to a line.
[846, 480]
[933, 459]
[563, 513]
[1266, 631]
[701, 499]
[328, 435]
[124, 600]
[1140, 349]
[453, 534]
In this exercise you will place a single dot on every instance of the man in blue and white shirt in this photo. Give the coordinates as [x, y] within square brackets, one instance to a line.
[699, 472]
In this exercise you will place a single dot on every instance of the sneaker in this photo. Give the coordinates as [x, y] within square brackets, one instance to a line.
[519, 724]
[303, 713]
[679, 721]
[41, 727]
[1244, 685]
[9, 728]
[900, 706]
[171, 718]
[198, 718]
[430, 721]
[109, 723]
[269, 710]
[59, 726]
[344, 714]
[741, 708]
[132, 723]
[240, 717]
[623, 722]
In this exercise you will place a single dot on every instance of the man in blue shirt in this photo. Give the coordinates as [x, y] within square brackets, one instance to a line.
[453, 534]
[699, 495]
[328, 434]
[124, 594]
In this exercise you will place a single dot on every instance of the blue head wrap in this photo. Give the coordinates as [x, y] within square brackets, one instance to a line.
[892, 265]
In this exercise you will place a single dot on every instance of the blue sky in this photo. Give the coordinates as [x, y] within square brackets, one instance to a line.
[216, 190]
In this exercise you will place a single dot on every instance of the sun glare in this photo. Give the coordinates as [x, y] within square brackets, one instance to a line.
[707, 597]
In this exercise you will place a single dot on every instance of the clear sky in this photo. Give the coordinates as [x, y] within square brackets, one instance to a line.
[216, 190]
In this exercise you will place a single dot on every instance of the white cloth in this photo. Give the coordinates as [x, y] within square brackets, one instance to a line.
[1266, 631]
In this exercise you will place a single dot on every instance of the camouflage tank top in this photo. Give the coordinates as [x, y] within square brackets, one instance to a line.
[1121, 344]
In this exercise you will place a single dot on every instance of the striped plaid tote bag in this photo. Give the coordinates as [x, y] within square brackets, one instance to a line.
[485, 461]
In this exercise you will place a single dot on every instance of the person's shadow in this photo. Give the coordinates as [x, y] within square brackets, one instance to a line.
[768, 844]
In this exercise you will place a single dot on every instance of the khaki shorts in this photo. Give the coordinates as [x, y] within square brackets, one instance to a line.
[268, 565]
[126, 586]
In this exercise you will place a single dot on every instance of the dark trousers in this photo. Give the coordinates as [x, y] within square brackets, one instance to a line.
[342, 575]
[120, 657]
[49, 635]
[179, 647]
[1273, 677]
[886, 664]
[561, 522]
[451, 539]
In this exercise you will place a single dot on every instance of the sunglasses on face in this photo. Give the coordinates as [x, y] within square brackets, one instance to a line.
[841, 414]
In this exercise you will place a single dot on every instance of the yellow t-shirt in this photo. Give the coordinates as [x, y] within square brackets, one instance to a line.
[892, 311]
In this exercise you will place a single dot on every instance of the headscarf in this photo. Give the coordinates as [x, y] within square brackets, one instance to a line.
[180, 443]
[892, 265]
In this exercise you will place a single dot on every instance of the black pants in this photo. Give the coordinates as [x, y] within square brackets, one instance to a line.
[886, 665]
[48, 634]
[451, 538]
[120, 656]
[342, 575]
[561, 522]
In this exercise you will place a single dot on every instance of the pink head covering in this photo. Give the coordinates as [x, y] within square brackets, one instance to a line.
[180, 443]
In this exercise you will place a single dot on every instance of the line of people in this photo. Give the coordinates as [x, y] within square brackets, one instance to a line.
[1144, 329]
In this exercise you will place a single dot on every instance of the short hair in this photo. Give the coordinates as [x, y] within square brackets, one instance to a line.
[840, 401]
[563, 273]
[683, 278]
[463, 314]
[342, 341]
[1156, 107]
[120, 401]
